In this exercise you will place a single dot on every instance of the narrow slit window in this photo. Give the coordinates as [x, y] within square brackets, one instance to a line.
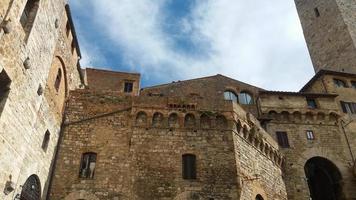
[45, 141]
[189, 166]
[29, 15]
[310, 135]
[57, 83]
[316, 12]
[5, 83]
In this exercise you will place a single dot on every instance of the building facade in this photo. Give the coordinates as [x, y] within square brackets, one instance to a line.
[74, 134]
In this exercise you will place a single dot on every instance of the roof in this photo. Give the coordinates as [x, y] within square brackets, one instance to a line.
[70, 20]
[112, 71]
[195, 79]
[325, 72]
[298, 94]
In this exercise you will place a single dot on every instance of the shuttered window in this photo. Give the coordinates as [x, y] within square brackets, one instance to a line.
[282, 139]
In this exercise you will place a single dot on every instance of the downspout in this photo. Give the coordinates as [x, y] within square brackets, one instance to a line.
[347, 141]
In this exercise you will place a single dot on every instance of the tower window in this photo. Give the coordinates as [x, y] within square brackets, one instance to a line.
[282, 139]
[28, 15]
[317, 13]
[45, 141]
[310, 135]
[245, 98]
[57, 83]
[128, 87]
[348, 107]
[189, 166]
[5, 83]
[311, 103]
[87, 166]
[229, 95]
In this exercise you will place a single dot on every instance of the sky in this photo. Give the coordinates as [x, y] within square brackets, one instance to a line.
[256, 41]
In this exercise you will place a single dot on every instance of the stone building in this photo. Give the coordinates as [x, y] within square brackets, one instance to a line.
[74, 134]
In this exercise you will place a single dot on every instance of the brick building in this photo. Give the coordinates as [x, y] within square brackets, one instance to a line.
[73, 134]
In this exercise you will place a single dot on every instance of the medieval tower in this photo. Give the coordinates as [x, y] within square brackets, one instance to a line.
[330, 31]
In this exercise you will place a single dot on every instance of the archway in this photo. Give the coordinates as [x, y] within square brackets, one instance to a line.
[259, 197]
[324, 179]
[31, 190]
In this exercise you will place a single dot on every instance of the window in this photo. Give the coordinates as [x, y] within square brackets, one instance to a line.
[189, 166]
[73, 47]
[28, 15]
[348, 107]
[310, 135]
[259, 197]
[45, 141]
[245, 98]
[353, 84]
[87, 166]
[57, 83]
[67, 28]
[229, 95]
[339, 83]
[311, 103]
[5, 83]
[282, 139]
[128, 87]
[316, 12]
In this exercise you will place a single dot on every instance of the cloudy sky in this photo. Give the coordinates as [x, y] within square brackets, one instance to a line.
[256, 41]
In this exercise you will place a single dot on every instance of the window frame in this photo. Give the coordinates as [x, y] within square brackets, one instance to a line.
[230, 95]
[244, 96]
[315, 104]
[130, 89]
[88, 174]
[282, 139]
[310, 135]
[353, 84]
[339, 83]
[348, 107]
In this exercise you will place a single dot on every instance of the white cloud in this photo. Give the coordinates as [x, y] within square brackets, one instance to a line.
[259, 42]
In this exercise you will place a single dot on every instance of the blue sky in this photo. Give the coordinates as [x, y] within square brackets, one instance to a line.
[258, 42]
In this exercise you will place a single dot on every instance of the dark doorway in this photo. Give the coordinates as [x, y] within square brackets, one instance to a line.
[259, 197]
[31, 190]
[324, 179]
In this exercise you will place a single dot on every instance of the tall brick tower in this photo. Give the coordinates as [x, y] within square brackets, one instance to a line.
[330, 32]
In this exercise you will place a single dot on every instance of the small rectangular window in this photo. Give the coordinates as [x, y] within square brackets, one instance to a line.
[67, 28]
[348, 107]
[353, 84]
[73, 47]
[317, 13]
[128, 87]
[5, 83]
[310, 135]
[87, 166]
[189, 166]
[311, 103]
[45, 141]
[282, 139]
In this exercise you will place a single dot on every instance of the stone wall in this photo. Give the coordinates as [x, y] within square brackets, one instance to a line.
[27, 113]
[329, 29]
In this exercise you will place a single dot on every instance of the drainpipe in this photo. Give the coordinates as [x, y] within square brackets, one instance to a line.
[343, 126]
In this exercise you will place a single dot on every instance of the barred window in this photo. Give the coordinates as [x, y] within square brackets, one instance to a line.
[310, 135]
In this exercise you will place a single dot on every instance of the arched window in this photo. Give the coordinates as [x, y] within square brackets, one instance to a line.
[57, 83]
[157, 119]
[31, 189]
[45, 141]
[339, 83]
[141, 119]
[204, 121]
[189, 121]
[173, 120]
[5, 83]
[245, 98]
[259, 197]
[229, 95]
[29, 15]
[189, 166]
[87, 165]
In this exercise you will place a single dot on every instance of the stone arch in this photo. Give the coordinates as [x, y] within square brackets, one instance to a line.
[272, 114]
[205, 122]
[141, 119]
[221, 122]
[333, 116]
[157, 119]
[173, 121]
[81, 194]
[189, 120]
[258, 191]
[65, 77]
[309, 116]
[320, 116]
[285, 115]
[297, 116]
[31, 189]
[246, 98]
[324, 179]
